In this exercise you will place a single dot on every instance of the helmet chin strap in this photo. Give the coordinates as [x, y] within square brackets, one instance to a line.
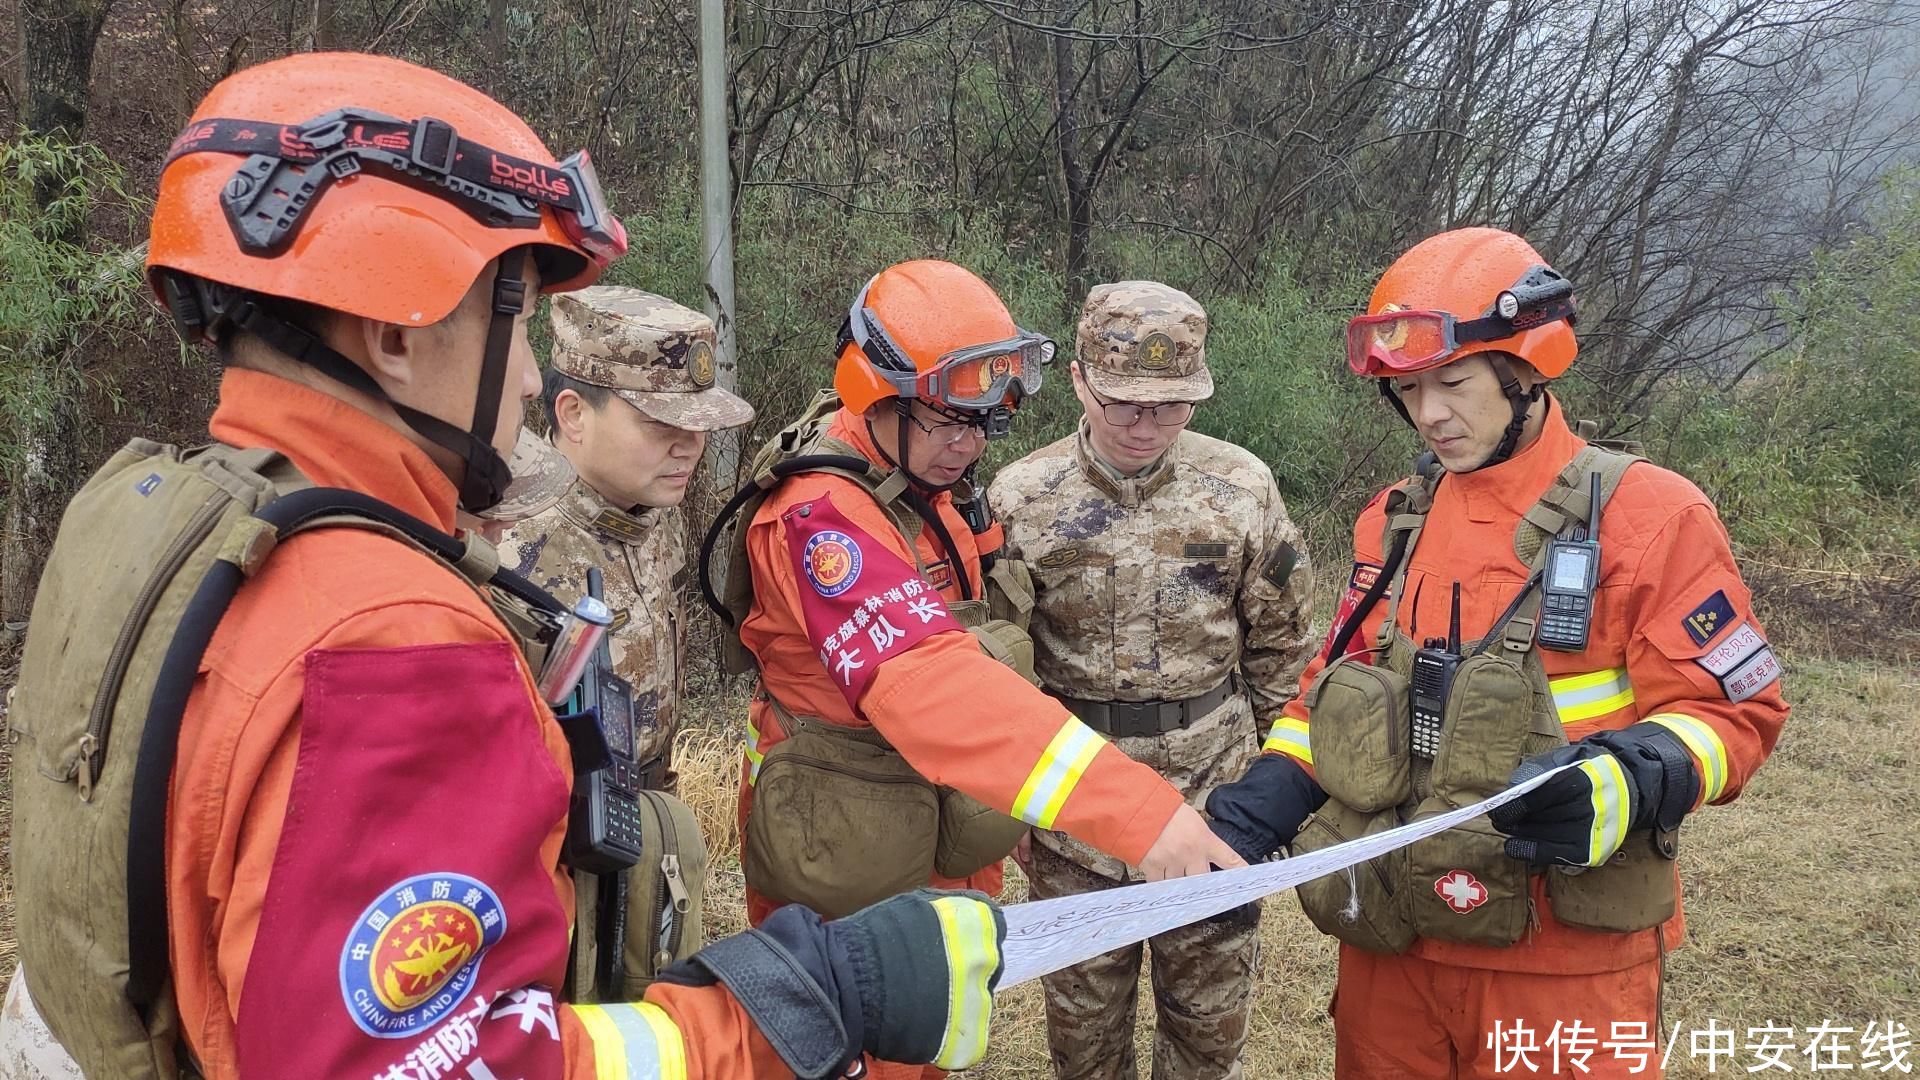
[1522, 401]
[903, 408]
[199, 305]
[1519, 397]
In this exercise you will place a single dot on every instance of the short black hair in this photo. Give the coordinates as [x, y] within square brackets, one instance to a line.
[555, 381]
[308, 318]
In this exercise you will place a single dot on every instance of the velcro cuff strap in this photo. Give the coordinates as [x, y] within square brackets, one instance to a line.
[1680, 784]
[791, 1010]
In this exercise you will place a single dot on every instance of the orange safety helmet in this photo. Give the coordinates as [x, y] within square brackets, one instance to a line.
[1463, 292]
[934, 331]
[372, 187]
[366, 240]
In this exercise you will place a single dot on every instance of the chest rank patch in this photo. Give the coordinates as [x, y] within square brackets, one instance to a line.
[1059, 558]
[832, 561]
[414, 953]
[1713, 615]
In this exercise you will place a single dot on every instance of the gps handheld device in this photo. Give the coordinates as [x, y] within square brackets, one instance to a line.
[603, 827]
[1571, 575]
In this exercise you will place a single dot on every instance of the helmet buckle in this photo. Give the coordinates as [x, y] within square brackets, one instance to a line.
[434, 146]
[326, 132]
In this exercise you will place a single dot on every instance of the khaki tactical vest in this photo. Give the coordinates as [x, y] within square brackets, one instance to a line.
[1499, 712]
[148, 556]
[839, 819]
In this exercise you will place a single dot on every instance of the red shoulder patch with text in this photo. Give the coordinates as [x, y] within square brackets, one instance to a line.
[863, 604]
[410, 927]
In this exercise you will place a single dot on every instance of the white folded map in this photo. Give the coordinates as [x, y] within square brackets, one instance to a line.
[1044, 936]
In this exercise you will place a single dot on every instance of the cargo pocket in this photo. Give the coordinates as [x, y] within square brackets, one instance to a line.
[1464, 887]
[665, 893]
[1359, 734]
[1636, 889]
[838, 824]
[973, 835]
[1008, 643]
[1489, 713]
[1364, 905]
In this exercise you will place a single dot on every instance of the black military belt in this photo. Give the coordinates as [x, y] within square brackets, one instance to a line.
[1124, 719]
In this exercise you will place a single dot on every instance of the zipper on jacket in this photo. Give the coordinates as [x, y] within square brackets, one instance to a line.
[671, 897]
[93, 744]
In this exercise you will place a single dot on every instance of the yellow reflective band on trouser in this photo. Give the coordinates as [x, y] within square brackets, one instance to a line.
[633, 1042]
[1583, 697]
[1707, 749]
[1060, 768]
[754, 753]
[1611, 815]
[973, 952]
[1289, 736]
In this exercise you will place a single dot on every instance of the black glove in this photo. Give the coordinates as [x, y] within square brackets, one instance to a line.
[1638, 778]
[909, 979]
[1264, 808]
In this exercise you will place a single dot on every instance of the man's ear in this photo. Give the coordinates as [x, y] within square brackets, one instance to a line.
[389, 350]
[1527, 375]
[570, 414]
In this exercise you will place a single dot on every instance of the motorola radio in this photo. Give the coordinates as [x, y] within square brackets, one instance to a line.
[1433, 668]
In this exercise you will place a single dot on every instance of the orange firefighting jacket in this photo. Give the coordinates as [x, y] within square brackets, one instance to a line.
[1673, 640]
[959, 717]
[367, 812]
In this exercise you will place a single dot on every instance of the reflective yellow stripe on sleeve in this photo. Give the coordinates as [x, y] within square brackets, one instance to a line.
[1289, 736]
[1706, 747]
[966, 927]
[633, 1042]
[1610, 812]
[1597, 693]
[1058, 772]
[754, 753]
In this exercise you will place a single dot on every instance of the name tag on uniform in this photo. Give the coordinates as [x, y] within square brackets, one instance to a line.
[1207, 551]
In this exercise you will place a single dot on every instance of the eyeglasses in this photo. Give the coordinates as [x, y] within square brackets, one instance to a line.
[1127, 413]
[950, 432]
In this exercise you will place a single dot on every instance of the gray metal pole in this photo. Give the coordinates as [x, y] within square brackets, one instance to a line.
[716, 223]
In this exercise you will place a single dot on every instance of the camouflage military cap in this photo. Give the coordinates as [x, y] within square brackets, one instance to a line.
[541, 476]
[1144, 341]
[655, 354]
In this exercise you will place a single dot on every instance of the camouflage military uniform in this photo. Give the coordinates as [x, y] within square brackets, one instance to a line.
[657, 357]
[643, 558]
[1185, 581]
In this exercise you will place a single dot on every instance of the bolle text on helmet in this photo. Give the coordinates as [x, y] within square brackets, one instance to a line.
[529, 178]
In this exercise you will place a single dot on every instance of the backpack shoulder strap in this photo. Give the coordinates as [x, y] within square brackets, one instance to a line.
[803, 446]
[1568, 501]
[242, 552]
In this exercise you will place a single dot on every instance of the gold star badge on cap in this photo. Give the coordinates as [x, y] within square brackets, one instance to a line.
[1156, 352]
[700, 363]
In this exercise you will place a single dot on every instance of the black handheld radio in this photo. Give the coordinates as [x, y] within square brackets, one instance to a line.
[1571, 576]
[1433, 668]
[603, 827]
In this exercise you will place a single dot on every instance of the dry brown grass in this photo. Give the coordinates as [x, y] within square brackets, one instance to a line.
[1803, 897]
